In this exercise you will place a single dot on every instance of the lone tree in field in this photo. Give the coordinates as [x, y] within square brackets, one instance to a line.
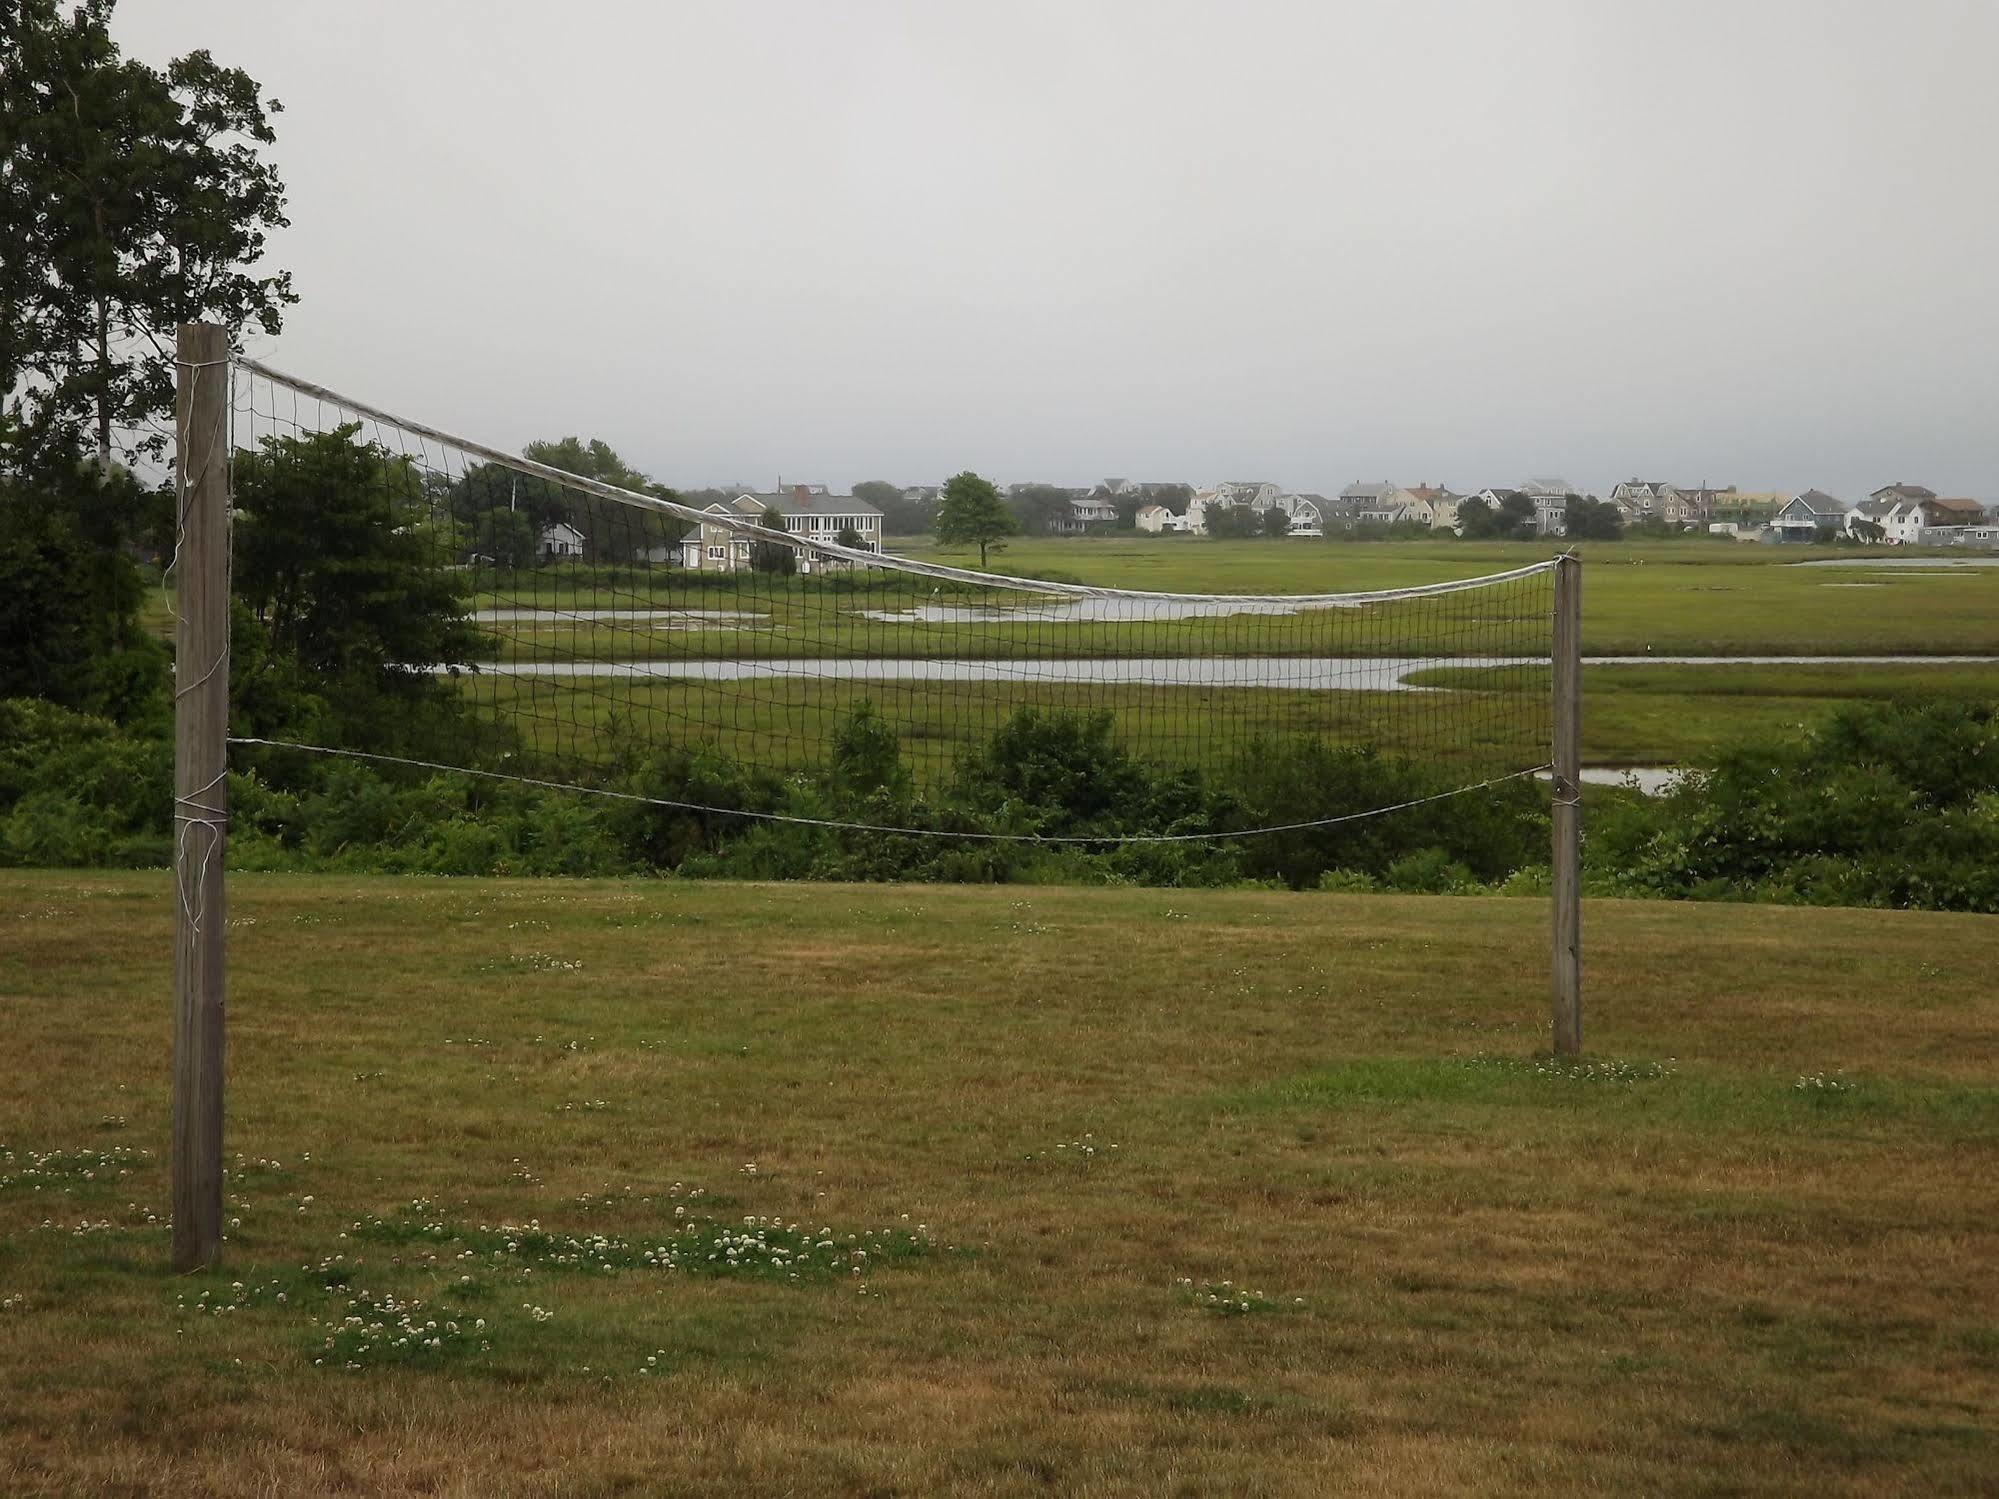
[970, 513]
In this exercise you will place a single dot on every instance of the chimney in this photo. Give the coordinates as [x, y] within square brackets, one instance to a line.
[802, 493]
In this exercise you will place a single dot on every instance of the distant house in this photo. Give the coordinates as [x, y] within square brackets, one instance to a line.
[1942, 512]
[1812, 515]
[1091, 510]
[1257, 497]
[1887, 514]
[559, 540]
[1642, 499]
[713, 546]
[1692, 506]
[1551, 503]
[1308, 514]
[1372, 504]
[1492, 499]
[1979, 536]
[810, 511]
[1442, 505]
[1908, 494]
[1158, 520]
[1739, 510]
[1681, 506]
[1385, 504]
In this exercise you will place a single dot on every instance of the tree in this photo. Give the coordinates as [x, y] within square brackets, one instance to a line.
[849, 537]
[901, 515]
[70, 598]
[970, 513]
[613, 531]
[1041, 509]
[131, 199]
[506, 538]
[1276, 522]
[773, 556]
[1592, 520]
[345, 570]
[1511, 519]
[1867, 530]
[1230, 522]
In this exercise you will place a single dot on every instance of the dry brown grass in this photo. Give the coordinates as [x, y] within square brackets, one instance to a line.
[1705, 1281]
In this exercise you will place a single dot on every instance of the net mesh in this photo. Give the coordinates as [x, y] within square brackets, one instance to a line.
[588, 627]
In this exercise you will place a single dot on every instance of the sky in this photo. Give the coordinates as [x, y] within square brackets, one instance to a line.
[1744, 242]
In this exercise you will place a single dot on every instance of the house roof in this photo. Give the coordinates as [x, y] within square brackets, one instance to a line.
[1548, 489]
[1876, 509]
[1969, 508]
[792, 503]
[1900, 491]
[1820, 503]
[1360, 491]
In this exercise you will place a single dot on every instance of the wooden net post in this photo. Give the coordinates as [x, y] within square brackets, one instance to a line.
[201, 728]
[1567, 818]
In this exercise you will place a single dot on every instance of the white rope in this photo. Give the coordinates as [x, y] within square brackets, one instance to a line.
[871, 827]
[855, 555]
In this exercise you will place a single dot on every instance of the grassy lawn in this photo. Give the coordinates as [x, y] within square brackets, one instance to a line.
[1061, 1135]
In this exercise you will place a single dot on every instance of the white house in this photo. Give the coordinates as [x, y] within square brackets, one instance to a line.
[1158, 520]
[558, 541]
[1898, 522]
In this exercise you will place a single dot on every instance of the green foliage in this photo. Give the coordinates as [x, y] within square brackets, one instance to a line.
[70, 594]
[345, 572]
[74, 790]
[1882, 805]
[1491, 833]
[1230, 522]
[502, 513]
[1039, 509]
[132, 198]
[1511, 519]
[773, 557]
[1276, 522]
[970, 513]
[1592, 520]
[901, 516]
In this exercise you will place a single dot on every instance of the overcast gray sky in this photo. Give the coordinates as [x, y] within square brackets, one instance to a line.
[1463, 241]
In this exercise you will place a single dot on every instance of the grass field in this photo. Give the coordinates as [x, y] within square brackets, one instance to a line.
[1749, 1249]
[1673, 598]
[1633, 715]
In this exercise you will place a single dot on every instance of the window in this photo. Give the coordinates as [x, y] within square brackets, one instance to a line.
[718, 554]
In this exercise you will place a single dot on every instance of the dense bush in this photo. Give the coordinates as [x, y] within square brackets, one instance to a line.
[1878, 806]
[76, 790]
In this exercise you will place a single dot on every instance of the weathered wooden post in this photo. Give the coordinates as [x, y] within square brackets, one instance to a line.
[1567, 818]
[201, 729]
